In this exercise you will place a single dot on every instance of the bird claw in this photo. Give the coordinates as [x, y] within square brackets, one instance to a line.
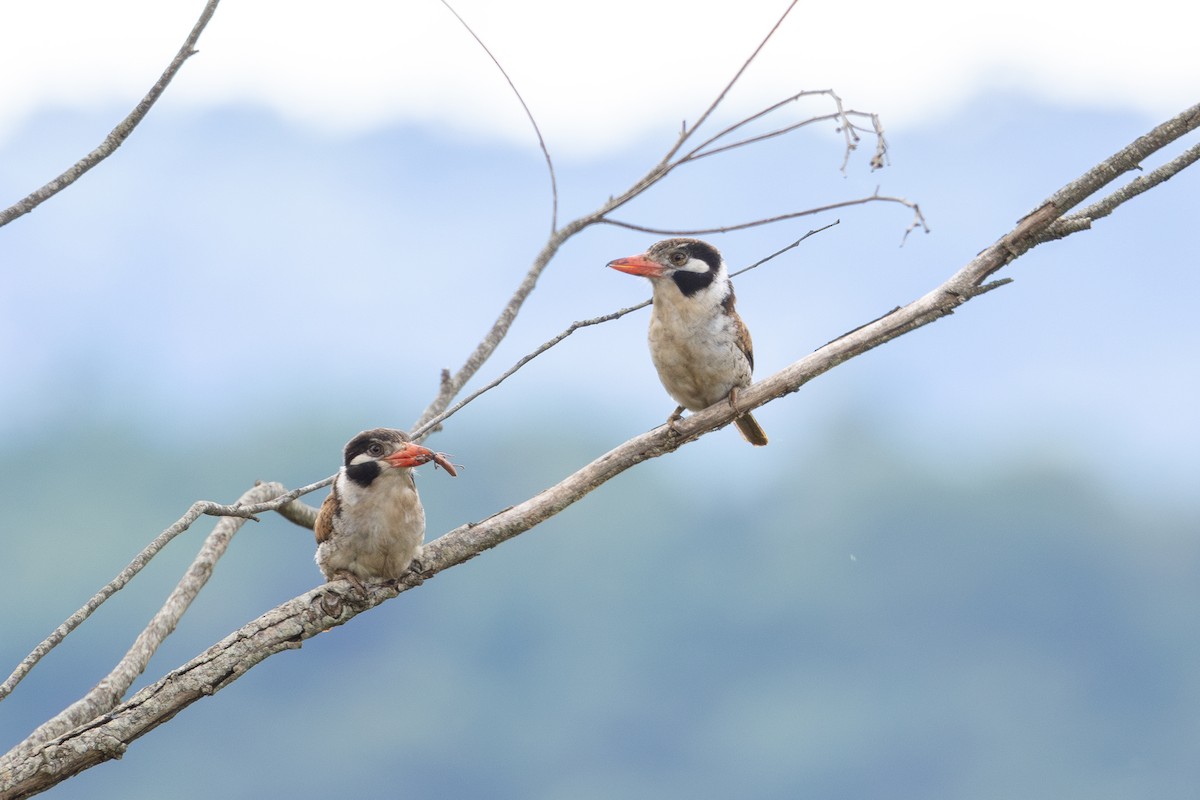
[733, 401]
[413, 576]
[353, 580]
[676, 415]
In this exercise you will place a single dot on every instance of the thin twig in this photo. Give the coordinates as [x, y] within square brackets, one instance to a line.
[574, 326]
[783, 250]
[120, 133]
[699, 153]
[918, 218]
[686, 132]
[139, 562]
[483, 351]
[843, 117]
[528, 114]
[109, 691]
[700, 149]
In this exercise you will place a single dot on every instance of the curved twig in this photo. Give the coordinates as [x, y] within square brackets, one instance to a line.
[529, 114]
[918, 218]
[119, 134]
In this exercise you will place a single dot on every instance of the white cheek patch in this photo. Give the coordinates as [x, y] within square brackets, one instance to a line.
[694, 265]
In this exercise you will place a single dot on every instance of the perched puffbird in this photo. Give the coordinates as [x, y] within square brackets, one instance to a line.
[698, 343]
[371, 526]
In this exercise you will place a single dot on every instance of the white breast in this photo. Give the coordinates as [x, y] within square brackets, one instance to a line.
[381, 529]
[694, 346]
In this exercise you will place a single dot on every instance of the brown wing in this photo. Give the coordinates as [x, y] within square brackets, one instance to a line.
[741, 332]
[743, 340]
[323, 527]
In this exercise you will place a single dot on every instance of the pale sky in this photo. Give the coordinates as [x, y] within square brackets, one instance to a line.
[641, 65]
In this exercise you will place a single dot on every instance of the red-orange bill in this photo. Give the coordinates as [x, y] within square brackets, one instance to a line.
[638, 265]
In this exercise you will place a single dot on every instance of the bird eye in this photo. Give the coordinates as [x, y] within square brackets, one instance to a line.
[678, 258]
[375, 449]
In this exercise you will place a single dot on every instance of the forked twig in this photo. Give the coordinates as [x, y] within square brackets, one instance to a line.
[1083, 219]
[112, 688]
[139, 562]
[687, 132]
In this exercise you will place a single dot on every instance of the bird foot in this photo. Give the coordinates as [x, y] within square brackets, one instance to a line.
[676, 415]
[733, 401]
[413, 577]
[355, 583]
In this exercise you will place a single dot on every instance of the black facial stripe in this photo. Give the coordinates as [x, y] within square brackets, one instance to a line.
[363, 474]
[691, 282]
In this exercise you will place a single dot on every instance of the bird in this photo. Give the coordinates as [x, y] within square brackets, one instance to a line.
[698, 343]
[372, 524]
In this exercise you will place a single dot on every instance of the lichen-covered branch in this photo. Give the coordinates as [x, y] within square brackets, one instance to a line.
[109, 691]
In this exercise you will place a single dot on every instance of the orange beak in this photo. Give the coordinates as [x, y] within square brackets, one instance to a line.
[414, 455]
[639, 265]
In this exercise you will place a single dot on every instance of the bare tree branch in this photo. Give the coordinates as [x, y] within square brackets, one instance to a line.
[109, 691]
[36, 767]
[198, 509]
[120, 133]
[1083, 219]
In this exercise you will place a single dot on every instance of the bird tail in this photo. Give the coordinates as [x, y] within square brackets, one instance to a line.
[750, 430]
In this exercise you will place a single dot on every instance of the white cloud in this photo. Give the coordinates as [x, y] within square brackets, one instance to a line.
[596, 75]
